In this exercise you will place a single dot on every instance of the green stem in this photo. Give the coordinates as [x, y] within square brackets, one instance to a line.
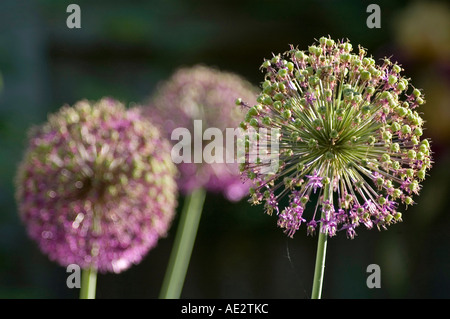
[88, 283]
[183, 245]
[320, 266]
[319, 269]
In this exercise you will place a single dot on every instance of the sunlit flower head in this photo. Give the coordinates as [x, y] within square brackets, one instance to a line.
[96, 186]
[349, 135]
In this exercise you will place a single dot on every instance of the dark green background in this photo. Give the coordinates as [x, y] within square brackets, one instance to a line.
[125, 47]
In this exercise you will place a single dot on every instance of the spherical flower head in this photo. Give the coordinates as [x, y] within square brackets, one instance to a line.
[97, 186]
[347, 132]
[202, 99]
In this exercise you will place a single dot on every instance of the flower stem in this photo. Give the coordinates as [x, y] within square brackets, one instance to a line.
[320, 266]
[183, 245]
[321, 251]
[88, 283]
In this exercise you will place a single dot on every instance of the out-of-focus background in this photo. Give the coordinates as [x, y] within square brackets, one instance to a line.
[125, 47]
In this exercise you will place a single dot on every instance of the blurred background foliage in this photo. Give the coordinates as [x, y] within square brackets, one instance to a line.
[125, 47]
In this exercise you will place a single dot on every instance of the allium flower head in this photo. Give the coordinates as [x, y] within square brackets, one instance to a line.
[96, 186]
[207, 96]
[349, 131]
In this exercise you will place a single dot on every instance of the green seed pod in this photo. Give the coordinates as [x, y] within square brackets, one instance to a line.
[366, 76]
[282, 73]
[406, 129]
[392, 79]
[300, 55]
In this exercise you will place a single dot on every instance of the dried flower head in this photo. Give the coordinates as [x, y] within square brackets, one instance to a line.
[96, 186]
[207, 96]
[349, 132]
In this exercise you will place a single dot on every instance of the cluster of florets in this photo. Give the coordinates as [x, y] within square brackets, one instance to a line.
[348, 131]
[97, 186]
[206, 95]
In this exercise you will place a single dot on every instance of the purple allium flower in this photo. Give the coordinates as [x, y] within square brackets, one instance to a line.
[348, 128]
[208, 95]
[97, 186]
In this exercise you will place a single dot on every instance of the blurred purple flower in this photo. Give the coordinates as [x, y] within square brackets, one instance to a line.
[209, 95]
[96, 186]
